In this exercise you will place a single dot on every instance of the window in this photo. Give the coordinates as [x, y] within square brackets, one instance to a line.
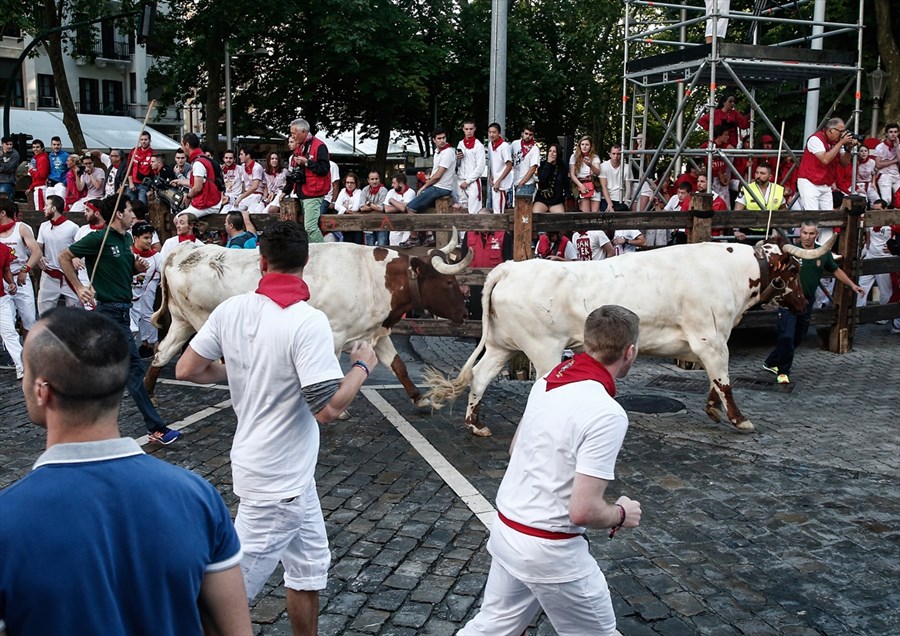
[46, 91]
[112, 97]
[10, 31]
[89, 90]
[6, 69]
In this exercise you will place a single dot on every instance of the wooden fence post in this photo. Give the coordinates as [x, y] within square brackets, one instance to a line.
[290, 210]
[840, 340]
[161, 219]
[442, 206]
[523, 224]
[700, 229]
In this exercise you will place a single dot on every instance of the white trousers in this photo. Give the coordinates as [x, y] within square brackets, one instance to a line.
[471, 198]
[24, 304]
[884, 288]
[814, 197]
[50, 291]
[575, 608]
[8, 330]
[498, 201]
[888, 183]
[291, 531]
[201, 213]
[722, 24]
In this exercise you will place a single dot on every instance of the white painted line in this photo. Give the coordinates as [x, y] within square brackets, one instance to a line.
[480, 506]
[191, 419]
[221, 387]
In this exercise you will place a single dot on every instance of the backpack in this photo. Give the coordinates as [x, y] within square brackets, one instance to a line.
[218, 175]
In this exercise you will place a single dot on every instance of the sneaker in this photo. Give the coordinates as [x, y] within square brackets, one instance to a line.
[164, 437]
[881, 322]
[405, 245]
[20, 373]
[783, 379]
[772, 369]
[895, 330]
[145, 352]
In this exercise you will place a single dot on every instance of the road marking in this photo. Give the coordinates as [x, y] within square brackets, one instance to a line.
[221, 387]
[480, 506]
[191, 419]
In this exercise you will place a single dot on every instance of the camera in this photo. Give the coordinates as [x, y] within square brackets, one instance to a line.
[857, 138]
[296, 176]
[80, 170]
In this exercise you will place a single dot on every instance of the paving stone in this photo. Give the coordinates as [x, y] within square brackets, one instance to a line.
[388, 599]
[470, 584]
[432, 588]
[370, 620]
[412, 614]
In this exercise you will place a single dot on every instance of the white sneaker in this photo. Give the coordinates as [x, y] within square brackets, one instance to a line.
[20, 373]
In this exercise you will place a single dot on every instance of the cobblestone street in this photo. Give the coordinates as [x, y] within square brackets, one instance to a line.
[792, 530]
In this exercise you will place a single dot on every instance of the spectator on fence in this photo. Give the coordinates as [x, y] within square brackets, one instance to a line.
[552, 177]
[111, 163]
[9, 164]
[93, 179]
[584, 167]
[140, 168]
[348, 201]
[38, 170]
[721, 175]
[396, 200]
[865, 176]
[311, 156]
[615, 181]
[887, 161]
[75, 188]
[719, 26]
[439, 184]
[59, 168]
[182, 169]
[876, 246]
[234, 184]
[501, 176]
[470, 155]
[205, 196]
[526, 157]
[273, 183]
[372, 197]
[329, 199]
[252, 175]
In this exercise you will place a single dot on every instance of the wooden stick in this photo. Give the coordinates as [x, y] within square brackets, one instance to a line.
[775, 179]
[150, 107]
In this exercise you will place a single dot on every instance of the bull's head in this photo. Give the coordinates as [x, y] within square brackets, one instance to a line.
[782, 261]
[436, 277]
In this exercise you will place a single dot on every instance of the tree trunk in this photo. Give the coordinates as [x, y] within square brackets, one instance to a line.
[53, 46]
[384, 138]
[890, 58]
[215, 73]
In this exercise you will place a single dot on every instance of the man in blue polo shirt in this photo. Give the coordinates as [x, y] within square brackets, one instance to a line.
[100, 538]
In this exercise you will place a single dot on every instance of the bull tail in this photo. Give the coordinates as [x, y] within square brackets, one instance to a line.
[444, 389]
[158, 317]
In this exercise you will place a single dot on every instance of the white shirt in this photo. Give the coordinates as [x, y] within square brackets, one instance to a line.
[406, 197]
[447, 159]
[584, 172]
[54, 240]
[815, 145]
[17, 246]
[864, 173]
[257, 172]
[573, 428]
[172, 244]
[521, 164]
[614, 180]
[887, 154]
[271, 354]
[198, 169]
[499, 158]
[348, 203]
[234, 184]
[589, 245]
[335, 176]
[471, 166]
[629, 235]
[877, 247]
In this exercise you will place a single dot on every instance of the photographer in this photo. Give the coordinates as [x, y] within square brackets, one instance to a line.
[310, 179]
[817, 174]
[93, 181]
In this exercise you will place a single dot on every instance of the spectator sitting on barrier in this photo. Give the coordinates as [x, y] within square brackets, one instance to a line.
[395, 201]
[75, 188]
[721, 175]
[274, 182]
[552, 177]
[349, 201]
[373, 196]
[92, 180]
[439, 184]
[824, 150]
[38, 170]
[887, 161]
[865, 176]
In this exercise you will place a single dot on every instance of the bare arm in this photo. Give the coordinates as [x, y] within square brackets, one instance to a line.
[223, 604]
[435, 177]
[588, 508]
[195, 368]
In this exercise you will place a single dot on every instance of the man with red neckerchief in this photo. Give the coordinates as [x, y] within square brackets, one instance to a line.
[38, 170]
[887, 162]
[526, 158]
[26, 253]
[471, 159]
[440, 183]
[55, 234]
[501, 169]
[275, 343]
[140, 168]
[562, 457]
[204, 195]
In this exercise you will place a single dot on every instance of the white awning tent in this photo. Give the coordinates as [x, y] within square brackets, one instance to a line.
[101, 132]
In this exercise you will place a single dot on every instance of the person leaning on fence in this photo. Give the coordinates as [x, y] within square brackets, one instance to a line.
[552, 177]
[761, 194]
[80, 534]
[438, 185]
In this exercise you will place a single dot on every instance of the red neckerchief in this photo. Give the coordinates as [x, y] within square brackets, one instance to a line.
[375, 189]
[403, 191]
[526, 147]
[581, 367]
[99, 226]
[349, 194]
[186, 237]
[6, 227]
[442, 148]
[59, 220]
[888, 143]
[248, 167]
[283, 289]
[496, 143]
[225, 168]
[144, 253]
[469, 142]
[196, 152]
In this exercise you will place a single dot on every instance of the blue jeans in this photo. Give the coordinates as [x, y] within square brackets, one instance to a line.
[137, 192]
[120, 313]
[8, 188]
[791, 328]
[379, 237]
[526, 190]
[426, 198]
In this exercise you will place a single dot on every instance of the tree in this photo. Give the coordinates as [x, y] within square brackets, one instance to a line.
[887, 26]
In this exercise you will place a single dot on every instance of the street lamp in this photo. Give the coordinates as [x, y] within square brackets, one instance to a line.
[229, 137]
[877, 86]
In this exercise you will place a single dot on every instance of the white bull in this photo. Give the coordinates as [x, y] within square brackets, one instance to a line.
[364, 291]
[688, 298]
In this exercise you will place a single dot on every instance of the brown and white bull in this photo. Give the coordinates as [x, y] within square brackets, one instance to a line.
[364, 291]
[688, 298]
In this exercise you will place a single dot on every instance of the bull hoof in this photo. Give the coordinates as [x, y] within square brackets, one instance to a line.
[744, 427]
[714, 414]
[344, 416]
[423, 403]
[482, 431]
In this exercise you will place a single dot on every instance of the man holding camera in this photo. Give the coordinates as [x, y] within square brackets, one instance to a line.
[817, 165]
[310, 179]
[93, 180]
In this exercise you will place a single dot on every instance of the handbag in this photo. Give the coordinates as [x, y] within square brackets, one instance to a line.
[590, 189]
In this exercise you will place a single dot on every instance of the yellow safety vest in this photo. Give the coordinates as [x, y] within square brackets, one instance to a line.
[776, 197]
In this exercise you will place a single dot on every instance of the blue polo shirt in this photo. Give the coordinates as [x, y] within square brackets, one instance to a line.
[102, 539]
[58, 167]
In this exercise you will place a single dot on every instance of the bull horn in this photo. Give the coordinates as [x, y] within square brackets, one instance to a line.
[443, 267]
[818, 252]
[453, 244]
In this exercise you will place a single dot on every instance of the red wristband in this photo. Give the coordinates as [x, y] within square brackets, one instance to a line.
[615, 529]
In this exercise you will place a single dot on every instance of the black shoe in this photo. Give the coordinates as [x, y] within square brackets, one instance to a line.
[145, 352]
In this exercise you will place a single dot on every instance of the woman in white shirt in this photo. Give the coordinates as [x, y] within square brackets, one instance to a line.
[584, 166]
[185, 232]
[349, 200]
[276, 175]
[865, 175]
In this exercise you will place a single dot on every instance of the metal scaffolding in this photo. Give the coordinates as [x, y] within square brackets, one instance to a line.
[659, 56]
